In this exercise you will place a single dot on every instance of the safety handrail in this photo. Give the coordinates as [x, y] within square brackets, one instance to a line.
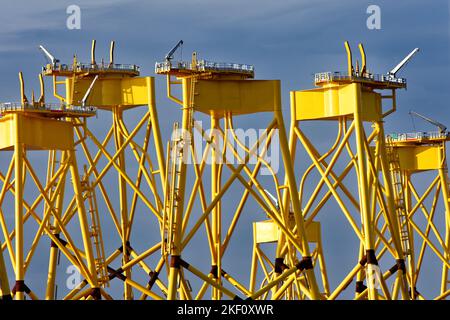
[17, 106]
[92, 67]
[397, 137]
[204, 65]
[340, 76]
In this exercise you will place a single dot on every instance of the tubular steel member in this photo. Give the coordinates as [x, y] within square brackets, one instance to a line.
[223, 91]
[118, 90]
[4, 282]
[352, 100]
[58, 204]
[265, 232]
[21, 127]
[416, 155]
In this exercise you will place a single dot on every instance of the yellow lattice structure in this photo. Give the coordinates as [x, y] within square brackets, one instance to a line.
[141, 221]
[420, 153]
[225, 91]
[28, 128]
[352, 100]
[118, 90]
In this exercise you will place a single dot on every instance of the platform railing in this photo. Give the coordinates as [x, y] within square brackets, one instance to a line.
[93, 67]
[51, 107]
[412, 136]
[341, 76]
[224, 66]
[204, 65]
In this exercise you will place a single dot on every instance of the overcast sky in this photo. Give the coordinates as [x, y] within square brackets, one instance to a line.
[288, 40]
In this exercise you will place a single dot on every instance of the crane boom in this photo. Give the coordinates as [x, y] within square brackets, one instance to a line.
[403, 62]
[52, 59]
[169, 55]
[88, 92]
[441, 127]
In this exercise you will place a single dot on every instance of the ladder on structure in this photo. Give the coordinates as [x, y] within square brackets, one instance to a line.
[171, 196]
[95, 231]
[447, 180]
[399, 197]
[446, 270]
[52, 163]
[175, 157]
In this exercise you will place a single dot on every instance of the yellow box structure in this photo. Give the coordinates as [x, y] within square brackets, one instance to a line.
[419, 158]
[237, 96]
[268, 232]
[124, 92]
[332, 102]
[36, 133]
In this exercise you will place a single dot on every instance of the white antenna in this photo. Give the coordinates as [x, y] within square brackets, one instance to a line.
[397, 68]
[88, 92]
[50, 57]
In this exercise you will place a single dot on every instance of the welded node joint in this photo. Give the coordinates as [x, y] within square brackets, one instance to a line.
[305, 264]
[176, 262]
[128, 248]
[371, 257]
[399, 265]
[280, 266]
[113, 273]
[153, 277]
[20, 286]
[214, 272]
[53, 243]
[95, 293]
[363, 261]
[360, 287]
[416, 292]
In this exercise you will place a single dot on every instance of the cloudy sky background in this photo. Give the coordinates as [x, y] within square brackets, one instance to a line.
[287, 40]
